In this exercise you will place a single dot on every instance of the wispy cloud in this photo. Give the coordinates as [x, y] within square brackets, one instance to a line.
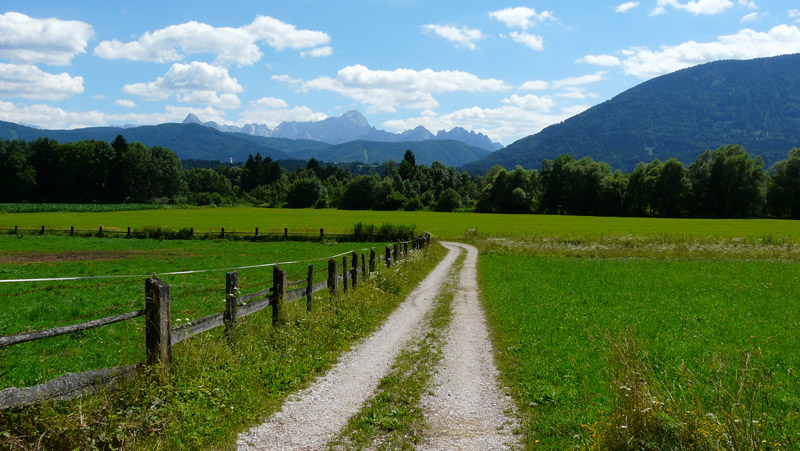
[461, 37]
[696, 7]
[627, 6]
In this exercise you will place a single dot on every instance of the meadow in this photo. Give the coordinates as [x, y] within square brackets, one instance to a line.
[442, 225]
[609, 347]
[41, 305]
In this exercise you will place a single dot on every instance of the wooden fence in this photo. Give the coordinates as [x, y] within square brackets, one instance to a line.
[160, 335]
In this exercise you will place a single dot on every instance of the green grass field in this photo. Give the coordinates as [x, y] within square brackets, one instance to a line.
[445, 225]
[41, 305]
[695, 345]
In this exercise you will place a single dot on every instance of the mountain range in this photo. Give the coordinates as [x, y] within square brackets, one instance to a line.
[754, 103]
[350, 126]
[195, 141]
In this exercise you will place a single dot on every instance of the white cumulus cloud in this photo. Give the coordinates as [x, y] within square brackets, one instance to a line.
[696, 7]
[29, 82]
[534, 85]
[517, 117]
[272, 111]
[746, 44]
[197, 82]
[126, 103]
[51, 41]
[752, 17]
[795, 14]
[231, 45]
[461, 37]
[521, 17]
[529, 39]
[600, 60]
[319, 52]
[50, 117]
[627, 6]
[386, 91]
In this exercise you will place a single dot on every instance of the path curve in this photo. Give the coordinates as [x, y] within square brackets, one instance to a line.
[466, 410]
[312, 417]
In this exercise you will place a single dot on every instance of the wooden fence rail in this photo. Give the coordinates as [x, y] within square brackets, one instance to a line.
[160, 336]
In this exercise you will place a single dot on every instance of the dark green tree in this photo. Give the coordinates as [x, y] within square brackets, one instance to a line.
[783, 189]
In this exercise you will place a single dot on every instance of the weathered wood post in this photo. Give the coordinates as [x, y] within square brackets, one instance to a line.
[42, 232]
[100, 233]
[363, 268]
[427, 238]
[344, 274]
[16, 229]
[231, 307]
[279, 282]
[395, 253]
[71, 230]
[372, 260]
[129, 232]
[388, 257]
[156, 312]
[405, 250]
[191, 232]
[309, 287]
[333, 278]
[256, 231]
[354, 272]
[322, 233]
[223, 232]
[285, 233]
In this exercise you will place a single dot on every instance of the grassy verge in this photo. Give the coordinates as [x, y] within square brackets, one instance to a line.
[392, 418]
[215, 389]
[635, 349]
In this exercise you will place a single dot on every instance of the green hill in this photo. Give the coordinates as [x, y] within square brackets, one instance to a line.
[755, 103]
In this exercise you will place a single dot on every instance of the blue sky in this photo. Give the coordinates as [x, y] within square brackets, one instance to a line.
[507, 69]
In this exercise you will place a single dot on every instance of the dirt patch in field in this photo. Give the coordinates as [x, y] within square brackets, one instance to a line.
[29, 258]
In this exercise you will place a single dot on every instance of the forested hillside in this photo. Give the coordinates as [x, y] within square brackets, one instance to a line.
[754, 103]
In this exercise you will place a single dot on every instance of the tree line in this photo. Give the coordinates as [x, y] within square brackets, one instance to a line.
[724, 183]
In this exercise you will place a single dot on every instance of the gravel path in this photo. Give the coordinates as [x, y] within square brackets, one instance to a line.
[466, 409]
[312, 417]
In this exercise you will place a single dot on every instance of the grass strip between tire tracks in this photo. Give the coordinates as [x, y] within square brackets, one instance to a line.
[393, 418]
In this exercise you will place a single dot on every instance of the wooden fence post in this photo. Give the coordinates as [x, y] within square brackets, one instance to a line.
[322, 233]
[388, 257]
[344, 274]
[405, 250]
[71, 230]
[285, 233]
[42, 232]
[16, 229]
[333, 278]
[231, 308]
[191, 232]
[310, 288]
[157, 312]
[372, 260]
[101, 231]
[223, 232]
[354, 272]
[129, 232]
[363, 268]
[256, 231]
[395, 253]
[427, 238]
[279, 282]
